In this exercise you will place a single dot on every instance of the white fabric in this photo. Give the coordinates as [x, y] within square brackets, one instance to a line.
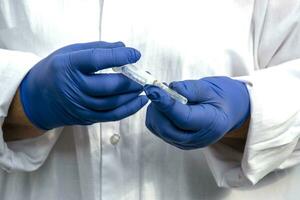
[275, 119]
[26, 155]
[178, 40]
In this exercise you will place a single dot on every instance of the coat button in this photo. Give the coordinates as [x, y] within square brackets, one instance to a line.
[114, 139]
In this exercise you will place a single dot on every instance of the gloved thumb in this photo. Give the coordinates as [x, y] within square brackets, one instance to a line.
[162, 101]
[159, 98]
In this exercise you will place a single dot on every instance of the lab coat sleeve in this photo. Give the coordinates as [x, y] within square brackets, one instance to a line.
[23, 155]
[272, 140]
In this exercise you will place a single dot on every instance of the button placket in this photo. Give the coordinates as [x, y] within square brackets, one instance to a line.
[111, 162]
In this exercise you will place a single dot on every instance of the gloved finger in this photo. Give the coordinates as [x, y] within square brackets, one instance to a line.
[195, 144]
[185, 147]
[108, 103]
[107, 84]
[150, 124]
[151, 120]
[161, 126]
[93, 60]
[121, 112]
[186, 117]
[188, 144]
[195, 91]
[180, 146]
[89, 45]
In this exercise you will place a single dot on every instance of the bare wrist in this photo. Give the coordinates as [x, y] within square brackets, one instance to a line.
[237, 138]
[16, 125]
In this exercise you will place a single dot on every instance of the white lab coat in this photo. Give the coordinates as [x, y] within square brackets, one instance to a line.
[257, 41]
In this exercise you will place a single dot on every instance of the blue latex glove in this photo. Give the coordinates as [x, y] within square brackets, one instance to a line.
[216, 106]
[63, 89]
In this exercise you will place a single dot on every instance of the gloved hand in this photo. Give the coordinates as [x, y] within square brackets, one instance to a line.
[216, 106]
[63, 89]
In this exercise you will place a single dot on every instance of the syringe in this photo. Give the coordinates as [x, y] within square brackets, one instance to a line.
[143, 78]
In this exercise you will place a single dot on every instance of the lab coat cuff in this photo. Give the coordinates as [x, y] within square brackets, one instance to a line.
[273, 130]
[14, 65]
[22, 155]
[275, 117]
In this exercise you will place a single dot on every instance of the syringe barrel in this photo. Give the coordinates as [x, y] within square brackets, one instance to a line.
[175, 95]
[135, 73]
[142, 77]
